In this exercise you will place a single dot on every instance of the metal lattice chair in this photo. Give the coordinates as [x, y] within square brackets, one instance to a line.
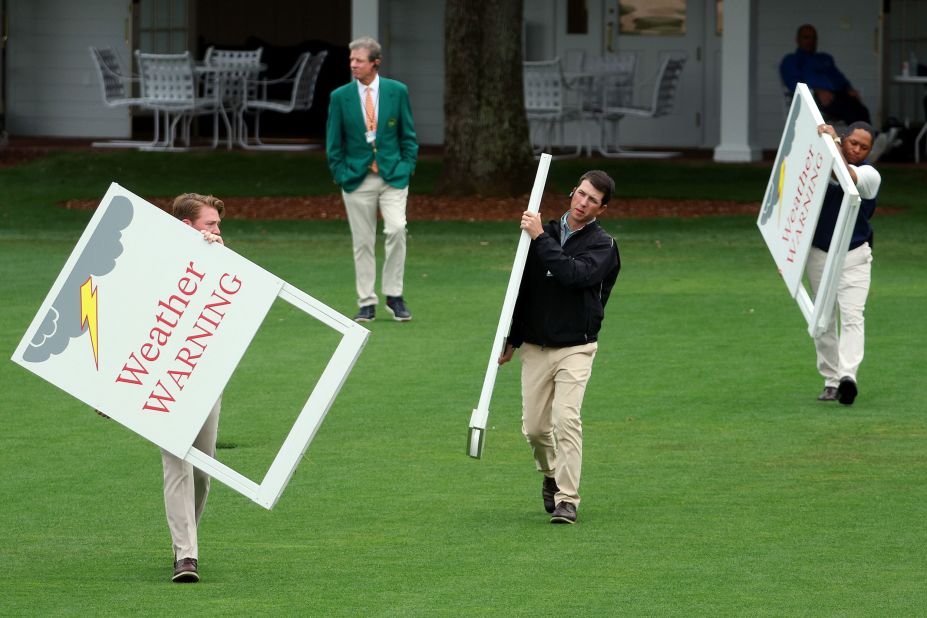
[616, 72]
[662, 101]
[169, 85]
[116, 88]
[300, 87]
[548, 104]
[229, 72]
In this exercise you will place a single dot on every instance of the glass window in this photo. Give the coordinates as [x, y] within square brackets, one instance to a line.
[654, 17]
[163, 25]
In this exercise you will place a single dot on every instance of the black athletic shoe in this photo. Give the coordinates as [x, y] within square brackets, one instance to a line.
[847, 391]
[397, 307]
[828, 394]
[367, 313]
[185, 571]
[549, 489]
[565, 513]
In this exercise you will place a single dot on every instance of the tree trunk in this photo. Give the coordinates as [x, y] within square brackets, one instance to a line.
[486, 144]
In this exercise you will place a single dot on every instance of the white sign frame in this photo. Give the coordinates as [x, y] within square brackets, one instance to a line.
[791, 259]
[114, 250]
[476, 435]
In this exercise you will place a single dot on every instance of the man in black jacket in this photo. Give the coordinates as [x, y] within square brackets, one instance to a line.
[571, 268]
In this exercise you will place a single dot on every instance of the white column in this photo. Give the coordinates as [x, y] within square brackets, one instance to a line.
[365, 19]
[738, 84]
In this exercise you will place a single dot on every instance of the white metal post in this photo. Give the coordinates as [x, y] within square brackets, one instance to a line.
[477, 433]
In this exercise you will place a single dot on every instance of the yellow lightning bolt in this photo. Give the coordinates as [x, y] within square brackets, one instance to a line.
[88, 315]
[779, 196]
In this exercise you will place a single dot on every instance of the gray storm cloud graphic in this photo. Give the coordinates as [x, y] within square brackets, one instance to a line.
[773, 198]
[62, 322]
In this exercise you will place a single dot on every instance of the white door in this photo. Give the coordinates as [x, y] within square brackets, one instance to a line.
[684, 127]
[556, 28]
[52, 86]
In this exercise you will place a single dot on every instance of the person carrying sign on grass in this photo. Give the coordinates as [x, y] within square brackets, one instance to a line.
[571, 268]
[186, 487]
[839, 354]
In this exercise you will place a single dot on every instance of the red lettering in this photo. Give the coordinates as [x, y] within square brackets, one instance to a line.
[235, 280]
[139, 369]
[168, 305]
[178, 376]
[187, 286]
[194, 273]
[160, 398]
[212, 307]
[185, 356]
[159, 335]
[148, 355]
[195, 338]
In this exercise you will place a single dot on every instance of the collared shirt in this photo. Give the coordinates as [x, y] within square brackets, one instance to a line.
[566, 232]
[374, 93]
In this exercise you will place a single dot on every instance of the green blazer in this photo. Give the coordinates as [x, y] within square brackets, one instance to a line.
[349, 154]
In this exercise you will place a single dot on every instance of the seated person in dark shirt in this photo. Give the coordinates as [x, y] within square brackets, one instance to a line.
[836, 98]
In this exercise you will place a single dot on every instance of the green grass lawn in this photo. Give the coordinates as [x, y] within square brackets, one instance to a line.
[714, 482]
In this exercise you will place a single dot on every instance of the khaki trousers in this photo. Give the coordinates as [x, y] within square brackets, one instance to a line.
[553, 383]
[840, 354]
[186, 489]
[361, 206]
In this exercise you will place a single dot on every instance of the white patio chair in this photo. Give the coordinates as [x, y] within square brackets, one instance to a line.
[619, 69]
[225, 73]
[169, 85]
[116, 88]
[662, 101]
[301, 80]
[547, 102]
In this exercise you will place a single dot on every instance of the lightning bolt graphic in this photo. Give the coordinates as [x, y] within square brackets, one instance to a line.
[779, 196]
[88, 316]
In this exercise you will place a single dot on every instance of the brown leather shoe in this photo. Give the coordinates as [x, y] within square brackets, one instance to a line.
[828, 394]
[185, 571]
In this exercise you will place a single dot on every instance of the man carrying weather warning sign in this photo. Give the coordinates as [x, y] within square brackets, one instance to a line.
[146, 323]
[815, 224]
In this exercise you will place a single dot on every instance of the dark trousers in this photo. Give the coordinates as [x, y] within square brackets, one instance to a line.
[846, 108]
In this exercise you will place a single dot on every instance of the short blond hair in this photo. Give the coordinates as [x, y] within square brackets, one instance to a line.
[188, 205]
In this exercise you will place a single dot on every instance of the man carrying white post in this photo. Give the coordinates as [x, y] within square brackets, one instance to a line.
[571, 268]
[839, 354]
[186, 487]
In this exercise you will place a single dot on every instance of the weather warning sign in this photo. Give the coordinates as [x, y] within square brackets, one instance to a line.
[806, 164]
[796, 188]
[147, 322]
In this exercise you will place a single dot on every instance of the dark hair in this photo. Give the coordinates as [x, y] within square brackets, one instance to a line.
[601, 181]
[803, 26]
[859, 124]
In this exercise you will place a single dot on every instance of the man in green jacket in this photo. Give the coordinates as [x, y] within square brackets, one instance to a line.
[372, 148]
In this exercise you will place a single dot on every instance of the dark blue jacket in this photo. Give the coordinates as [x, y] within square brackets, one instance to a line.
[817, 70]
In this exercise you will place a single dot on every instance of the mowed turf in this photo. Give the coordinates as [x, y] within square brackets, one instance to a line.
[714, 483]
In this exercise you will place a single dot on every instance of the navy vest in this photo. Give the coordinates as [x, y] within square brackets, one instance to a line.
[862, 231]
